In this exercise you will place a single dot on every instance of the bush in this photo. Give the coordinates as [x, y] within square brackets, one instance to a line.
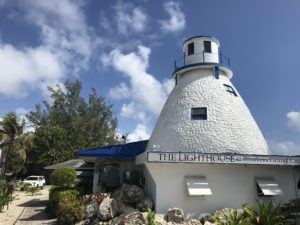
[32, 190]
[54, 198]
[233, 217]
[69, 209]
[64, 177]
[151, 217]
[5, 197]
[265, 214]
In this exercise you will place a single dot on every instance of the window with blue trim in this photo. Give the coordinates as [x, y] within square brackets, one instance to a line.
[191, 48]
[207, 46]
[199, 113]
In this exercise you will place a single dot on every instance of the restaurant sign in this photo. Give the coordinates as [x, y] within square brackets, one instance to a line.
[220, 158]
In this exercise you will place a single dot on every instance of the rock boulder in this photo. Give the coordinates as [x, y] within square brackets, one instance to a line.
[144, 204]
[108, 209]
[130, 194]
[135, 218]
[193, 222]
[175, 215]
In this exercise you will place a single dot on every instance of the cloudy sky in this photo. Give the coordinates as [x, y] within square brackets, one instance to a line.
[126, 50]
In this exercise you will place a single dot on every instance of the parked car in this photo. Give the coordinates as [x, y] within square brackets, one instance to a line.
[35, 181]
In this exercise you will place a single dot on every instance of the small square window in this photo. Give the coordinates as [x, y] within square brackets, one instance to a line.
[199, 113]
[191, 48]
[207, 46]
[230, 90]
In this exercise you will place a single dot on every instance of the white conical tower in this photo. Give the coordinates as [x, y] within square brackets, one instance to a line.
[205, 112]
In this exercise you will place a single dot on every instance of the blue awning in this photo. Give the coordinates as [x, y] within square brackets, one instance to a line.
[123, 151]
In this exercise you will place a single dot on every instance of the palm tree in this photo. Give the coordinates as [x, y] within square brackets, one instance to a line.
[11, 129]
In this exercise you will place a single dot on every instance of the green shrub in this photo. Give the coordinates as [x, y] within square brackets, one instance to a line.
[24, 186]
[32, 190]
[5, 197]
[151, 217]
[54, 198]
[64, 177]
[265, 214]
[69, 209]
[232, 217]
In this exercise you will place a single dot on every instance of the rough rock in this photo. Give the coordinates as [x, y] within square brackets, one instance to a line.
[80, 223]
[194, 222]
[226, 211]
[129, 193]
[135, 218]
[208, 223]
[206, 217]
[125, 208]
[160, 218]
[108, 209]
[144, 204]
[175, 215]
[90, 209]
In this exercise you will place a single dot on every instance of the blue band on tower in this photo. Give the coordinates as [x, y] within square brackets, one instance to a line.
[217, 72]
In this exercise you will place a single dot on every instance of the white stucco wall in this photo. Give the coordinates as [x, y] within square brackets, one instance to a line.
[230, 126]
[231, 185]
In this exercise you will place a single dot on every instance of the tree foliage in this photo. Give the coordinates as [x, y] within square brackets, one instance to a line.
[67, 123]
[13, 144]
[63, 177]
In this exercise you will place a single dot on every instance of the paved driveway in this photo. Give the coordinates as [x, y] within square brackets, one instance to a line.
[34, 213]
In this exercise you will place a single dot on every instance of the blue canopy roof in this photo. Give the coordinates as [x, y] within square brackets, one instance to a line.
[123, 151]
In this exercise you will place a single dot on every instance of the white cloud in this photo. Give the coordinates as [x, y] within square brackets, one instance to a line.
[145, 93]
[284, 147]
[22, 111]
[132, 111]
[130, 18]
[27, 69]
[146, 90]
[140, 133]
[293, 122]
[119, 92]
[2, 3]
[65, 48]
[168, 85]
[176, 20]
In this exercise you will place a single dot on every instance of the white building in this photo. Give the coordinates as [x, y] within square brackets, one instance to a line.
[206, 151]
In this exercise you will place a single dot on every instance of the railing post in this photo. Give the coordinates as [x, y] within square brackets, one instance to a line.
[221, 58]
[203, 56]
[175, 66]
[228, 61]
[183, 59]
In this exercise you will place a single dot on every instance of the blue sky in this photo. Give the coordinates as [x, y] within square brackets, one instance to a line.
[126, 49]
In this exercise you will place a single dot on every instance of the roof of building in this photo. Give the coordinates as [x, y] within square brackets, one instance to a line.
[122, 151]
[78, 164]
[203, 36]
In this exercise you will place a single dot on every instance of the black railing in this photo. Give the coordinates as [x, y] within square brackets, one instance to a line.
[222, 59]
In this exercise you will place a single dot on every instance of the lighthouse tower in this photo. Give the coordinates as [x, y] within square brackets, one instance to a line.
[205, 112]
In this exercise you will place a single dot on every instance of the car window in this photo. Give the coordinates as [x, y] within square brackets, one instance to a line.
[32, 178]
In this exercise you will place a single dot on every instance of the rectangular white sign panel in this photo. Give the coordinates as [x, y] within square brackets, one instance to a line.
[221, 158]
